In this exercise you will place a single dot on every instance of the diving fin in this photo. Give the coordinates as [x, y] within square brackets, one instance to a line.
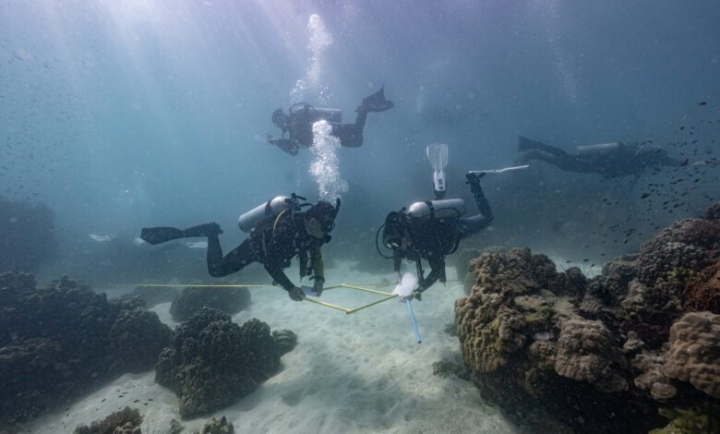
[437, 153]
[160, 235]
[377, 102]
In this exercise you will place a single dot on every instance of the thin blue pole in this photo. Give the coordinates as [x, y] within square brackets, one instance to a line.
[414, 323]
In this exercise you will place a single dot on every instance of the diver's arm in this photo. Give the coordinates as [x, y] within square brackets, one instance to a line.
[287, 145]
[397, 262]
[318, 264]
[278, 275]
[437, 271]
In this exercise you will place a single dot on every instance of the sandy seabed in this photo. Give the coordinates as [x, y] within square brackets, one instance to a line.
[357, 373]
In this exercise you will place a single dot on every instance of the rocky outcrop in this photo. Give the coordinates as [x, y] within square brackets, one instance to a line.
[558, 346]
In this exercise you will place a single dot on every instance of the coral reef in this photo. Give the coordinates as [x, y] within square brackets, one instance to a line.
[59, 341]
[152, 296]
[192, 299]
[600, 354]
[215, 426]
[694, 354]
[125, 421]
[212, 361]
[703, 290]
[27, 235]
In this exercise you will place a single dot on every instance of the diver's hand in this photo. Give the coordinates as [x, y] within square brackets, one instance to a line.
[296, 294]
[318, 287]
[269, 138]
[415, 295]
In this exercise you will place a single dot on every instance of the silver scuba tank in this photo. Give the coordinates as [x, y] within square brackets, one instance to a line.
[439, 209]
[599, 149]
[271, 208]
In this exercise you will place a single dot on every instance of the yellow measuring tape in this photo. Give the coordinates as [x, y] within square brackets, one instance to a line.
[385, 295]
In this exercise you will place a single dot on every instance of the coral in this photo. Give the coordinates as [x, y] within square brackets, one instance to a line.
[558, 346]
[215, 426]
[652, 379]
[586, 351]
[713, 212]
[125, 421]
[518, 271]
[137, 336]
[212, 361]
[694, 354]
[701, 420]
[685, 247]
[703, 291]
[153, 296]
[228, 300]
[58, 342]
[286, 340]
[445, 369]
[488, 346]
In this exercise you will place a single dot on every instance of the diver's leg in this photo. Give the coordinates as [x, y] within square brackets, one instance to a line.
[236, 260]
[351, 135]
[525, 144]
[162, 234]
[471, 225]
[204, 230]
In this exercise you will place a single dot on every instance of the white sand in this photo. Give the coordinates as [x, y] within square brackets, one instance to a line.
[356, 373]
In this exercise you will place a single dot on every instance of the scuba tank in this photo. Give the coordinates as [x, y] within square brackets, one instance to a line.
[311, 114]
[271, 208]
[599, 149]
[439, 209]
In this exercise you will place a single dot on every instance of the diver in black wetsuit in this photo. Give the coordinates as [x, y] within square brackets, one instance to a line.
[273, 243]
[611, 160]
[302, 116]
[431, 230]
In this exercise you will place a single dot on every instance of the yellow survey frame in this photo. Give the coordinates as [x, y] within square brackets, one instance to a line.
[386, 295]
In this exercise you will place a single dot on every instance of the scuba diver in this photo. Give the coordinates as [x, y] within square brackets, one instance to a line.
[611, 160]
[279, 230]
[299, 123]
[430, 230]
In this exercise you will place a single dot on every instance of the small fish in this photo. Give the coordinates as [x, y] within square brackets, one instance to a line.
[702, 103]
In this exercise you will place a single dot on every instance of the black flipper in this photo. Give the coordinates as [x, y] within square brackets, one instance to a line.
[525, 144]
[160, 235]
[377, 102]
[204, 230]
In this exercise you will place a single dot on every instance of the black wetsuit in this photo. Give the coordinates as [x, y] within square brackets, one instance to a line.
[617, 161]
[431, 239]
[273, 244]
[301, 134]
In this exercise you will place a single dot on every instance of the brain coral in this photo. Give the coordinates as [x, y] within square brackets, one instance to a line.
[694, 354]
